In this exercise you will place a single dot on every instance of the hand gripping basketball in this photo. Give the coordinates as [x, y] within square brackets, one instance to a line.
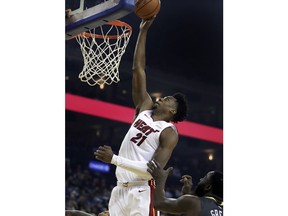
[145, 24]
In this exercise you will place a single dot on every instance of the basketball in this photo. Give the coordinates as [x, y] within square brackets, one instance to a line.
[146, 9]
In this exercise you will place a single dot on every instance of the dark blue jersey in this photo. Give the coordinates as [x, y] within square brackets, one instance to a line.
[209, 207]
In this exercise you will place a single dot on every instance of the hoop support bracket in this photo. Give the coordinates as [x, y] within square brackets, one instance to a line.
[79, 22]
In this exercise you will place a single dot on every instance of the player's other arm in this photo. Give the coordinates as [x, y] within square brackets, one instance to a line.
[168, 141]
[187, 184]
[76, 213]
[105, 154]
[141, 98]
[184, 204]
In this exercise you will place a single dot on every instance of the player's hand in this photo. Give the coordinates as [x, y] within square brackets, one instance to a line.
[187, 184]
[104, 153]
[105, 213]
[145, 24]
[157, 172]
[68, 213]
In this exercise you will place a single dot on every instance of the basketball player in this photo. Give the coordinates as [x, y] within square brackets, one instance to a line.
[151, 135]
[207, 201]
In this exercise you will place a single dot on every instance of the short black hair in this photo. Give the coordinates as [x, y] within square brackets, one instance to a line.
[182, 108]
[217, 183]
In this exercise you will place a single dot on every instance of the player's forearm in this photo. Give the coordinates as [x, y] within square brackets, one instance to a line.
[139, 60]
[76, 213]
[138, 167]
[162, 203]
[186, 190]
[159, 194]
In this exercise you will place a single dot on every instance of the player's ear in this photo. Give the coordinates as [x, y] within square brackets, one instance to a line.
[208, 187]
[172, 111]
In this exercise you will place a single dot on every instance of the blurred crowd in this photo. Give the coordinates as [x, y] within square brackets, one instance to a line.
[86, 190]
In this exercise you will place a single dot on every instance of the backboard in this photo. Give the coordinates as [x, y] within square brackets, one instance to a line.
[94, 13]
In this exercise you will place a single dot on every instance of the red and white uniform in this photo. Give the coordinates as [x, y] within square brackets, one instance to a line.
[132, 195]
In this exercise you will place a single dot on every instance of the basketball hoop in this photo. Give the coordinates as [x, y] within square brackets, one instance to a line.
[102, 49]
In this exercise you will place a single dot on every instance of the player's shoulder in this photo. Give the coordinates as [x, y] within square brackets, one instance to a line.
[170, 130]
[190, 200]
[169, 135]
[169, 138]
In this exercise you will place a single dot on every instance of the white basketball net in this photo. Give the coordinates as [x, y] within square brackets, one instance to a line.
[102, 49]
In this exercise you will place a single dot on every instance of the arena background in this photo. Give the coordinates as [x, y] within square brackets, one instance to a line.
[184, 53]
[32, 113]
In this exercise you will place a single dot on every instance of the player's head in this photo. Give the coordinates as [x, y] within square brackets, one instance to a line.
[175, 106]
[182, 108]
[211, 183]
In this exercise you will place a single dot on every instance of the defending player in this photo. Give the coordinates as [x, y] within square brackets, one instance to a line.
[207, 200]
[151, 135]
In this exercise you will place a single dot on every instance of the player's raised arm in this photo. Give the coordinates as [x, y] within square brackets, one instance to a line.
[188, 204]
[141, 98]
[187, 184]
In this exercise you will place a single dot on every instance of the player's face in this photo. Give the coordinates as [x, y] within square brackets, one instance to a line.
[201, 188]
[168, 102]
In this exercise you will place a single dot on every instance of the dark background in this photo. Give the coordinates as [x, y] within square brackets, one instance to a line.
[184, 53]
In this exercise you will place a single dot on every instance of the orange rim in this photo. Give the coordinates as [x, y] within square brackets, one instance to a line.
[112, 23]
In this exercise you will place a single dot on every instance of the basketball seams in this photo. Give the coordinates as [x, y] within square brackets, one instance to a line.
[154, 12]
[143, 2]
[152, 8]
